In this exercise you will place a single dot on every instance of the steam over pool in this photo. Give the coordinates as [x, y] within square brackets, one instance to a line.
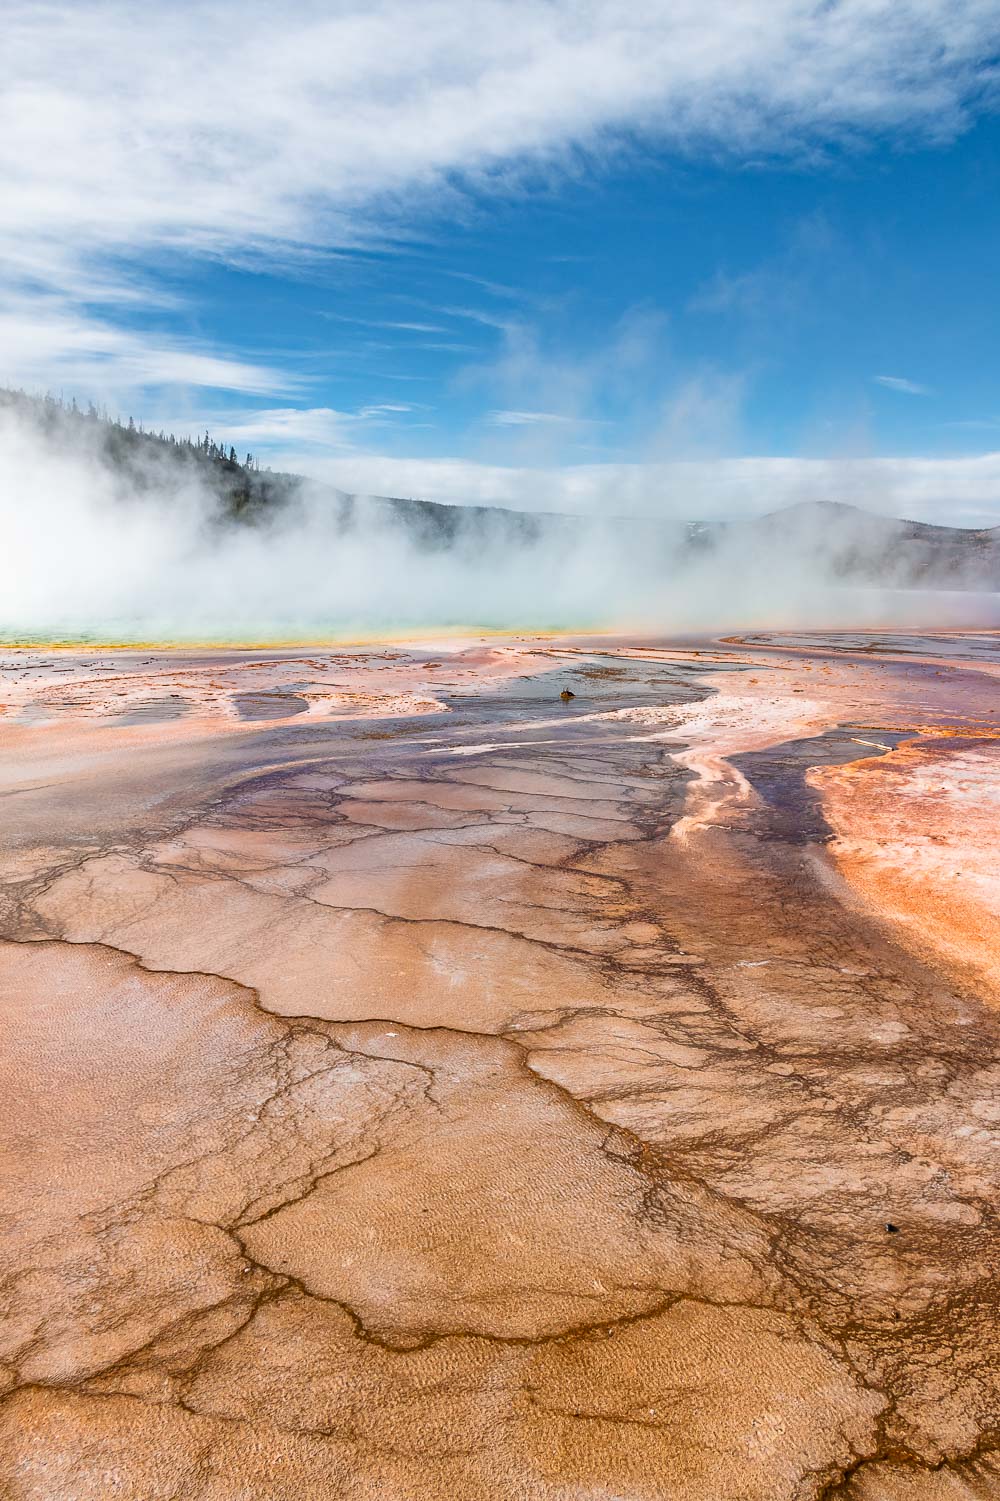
[95, 552]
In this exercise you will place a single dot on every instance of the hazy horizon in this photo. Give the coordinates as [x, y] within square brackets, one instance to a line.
[100, 548]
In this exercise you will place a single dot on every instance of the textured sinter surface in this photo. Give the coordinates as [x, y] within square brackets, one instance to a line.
[420, 1086]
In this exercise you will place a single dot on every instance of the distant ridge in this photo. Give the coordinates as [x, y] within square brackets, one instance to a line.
[832, 509]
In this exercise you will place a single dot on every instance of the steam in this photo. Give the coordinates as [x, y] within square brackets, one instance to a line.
[90, 551]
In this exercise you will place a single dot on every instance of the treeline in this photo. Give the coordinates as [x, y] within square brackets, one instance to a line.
[143, 458]
[52, 410]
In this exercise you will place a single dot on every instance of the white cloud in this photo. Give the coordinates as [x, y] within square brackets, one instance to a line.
[479, 315]
[245, 128]
[898, 383]
[47, 342]
[524, 419]
[302, 431]
[952, 491]
[389, 323]
[308, 427]
[389, 408]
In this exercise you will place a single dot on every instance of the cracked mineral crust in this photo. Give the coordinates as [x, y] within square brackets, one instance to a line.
[425, 1086]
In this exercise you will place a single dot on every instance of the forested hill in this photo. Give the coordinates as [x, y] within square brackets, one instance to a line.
[146, 460]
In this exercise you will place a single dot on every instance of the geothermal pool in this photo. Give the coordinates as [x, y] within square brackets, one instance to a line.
[421, 1087]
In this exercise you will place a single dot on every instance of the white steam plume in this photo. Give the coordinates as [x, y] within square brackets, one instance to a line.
[90, 550]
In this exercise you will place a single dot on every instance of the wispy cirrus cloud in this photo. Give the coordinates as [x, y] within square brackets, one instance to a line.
[241, 132]
[301, 435]
[899, 383]
[397, 325]
[525, 419]
[49, 343]
[228, 127]
[390, 408]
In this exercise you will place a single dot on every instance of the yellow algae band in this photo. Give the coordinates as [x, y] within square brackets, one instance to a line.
[276, 642]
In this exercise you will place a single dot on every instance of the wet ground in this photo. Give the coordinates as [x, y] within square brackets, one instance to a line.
[419, 1085]
[780, 777]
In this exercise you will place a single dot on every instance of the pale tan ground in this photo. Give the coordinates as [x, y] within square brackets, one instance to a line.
[443, 1093]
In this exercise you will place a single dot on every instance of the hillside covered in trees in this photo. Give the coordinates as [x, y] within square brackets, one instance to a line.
[145, 459]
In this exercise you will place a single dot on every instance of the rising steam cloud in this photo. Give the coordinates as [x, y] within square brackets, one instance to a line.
[92, 552]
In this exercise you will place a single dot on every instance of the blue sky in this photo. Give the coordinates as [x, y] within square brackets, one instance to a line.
[766, 300]
[655, 259]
